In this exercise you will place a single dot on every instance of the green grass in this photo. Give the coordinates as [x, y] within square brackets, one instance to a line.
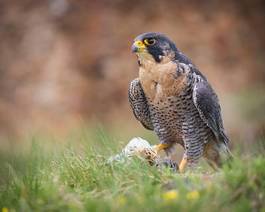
[52, 176]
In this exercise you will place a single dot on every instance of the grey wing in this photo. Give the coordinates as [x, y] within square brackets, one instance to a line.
[139, 104]
[207, 104]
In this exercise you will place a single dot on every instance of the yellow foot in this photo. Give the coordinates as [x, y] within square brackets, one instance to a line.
[159, 147]
[182, 165]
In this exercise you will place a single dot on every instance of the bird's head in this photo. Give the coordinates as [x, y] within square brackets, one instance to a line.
[154, 47]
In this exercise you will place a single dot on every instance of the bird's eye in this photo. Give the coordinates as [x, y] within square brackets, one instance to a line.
[149, 41]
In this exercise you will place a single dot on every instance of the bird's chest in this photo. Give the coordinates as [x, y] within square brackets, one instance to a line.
[160, 82]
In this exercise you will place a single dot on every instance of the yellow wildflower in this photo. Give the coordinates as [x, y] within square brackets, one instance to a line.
[170, 195]
[4, 209]
[121, 200]
[193, 195]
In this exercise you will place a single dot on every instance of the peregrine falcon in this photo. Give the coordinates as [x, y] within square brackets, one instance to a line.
[173, 98]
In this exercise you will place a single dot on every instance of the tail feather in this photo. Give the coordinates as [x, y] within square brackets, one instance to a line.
[225, 153]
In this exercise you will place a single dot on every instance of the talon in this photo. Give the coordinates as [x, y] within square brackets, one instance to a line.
[182, 165]
[159, 147]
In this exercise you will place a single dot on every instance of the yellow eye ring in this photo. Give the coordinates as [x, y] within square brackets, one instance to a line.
[149, 41]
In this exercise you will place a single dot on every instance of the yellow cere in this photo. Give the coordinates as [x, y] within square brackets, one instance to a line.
[139, 44]
[170, 195]
[193, 195]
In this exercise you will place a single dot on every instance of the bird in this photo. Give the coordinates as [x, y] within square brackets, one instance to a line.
[174, 99]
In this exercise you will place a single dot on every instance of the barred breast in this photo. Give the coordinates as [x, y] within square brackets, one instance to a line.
[176, 120]
[174, 116]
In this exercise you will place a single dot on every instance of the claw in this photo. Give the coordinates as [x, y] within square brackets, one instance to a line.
[159, 147]
[182, 165]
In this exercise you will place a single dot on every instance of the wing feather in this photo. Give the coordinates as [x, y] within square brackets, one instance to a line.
[207, 104]
[139, 104]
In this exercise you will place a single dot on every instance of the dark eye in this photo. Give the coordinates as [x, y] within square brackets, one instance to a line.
[149, 41]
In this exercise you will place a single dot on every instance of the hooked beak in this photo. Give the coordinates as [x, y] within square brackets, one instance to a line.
[138, 46]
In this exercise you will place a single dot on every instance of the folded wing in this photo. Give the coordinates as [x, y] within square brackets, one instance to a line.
[139, 104]
[207, 104]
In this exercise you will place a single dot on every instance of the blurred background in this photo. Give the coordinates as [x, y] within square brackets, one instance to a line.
[66, 64]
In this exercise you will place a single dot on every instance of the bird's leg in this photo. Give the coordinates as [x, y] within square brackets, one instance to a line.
[192, 153]
[159, 147]
[183, 164]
